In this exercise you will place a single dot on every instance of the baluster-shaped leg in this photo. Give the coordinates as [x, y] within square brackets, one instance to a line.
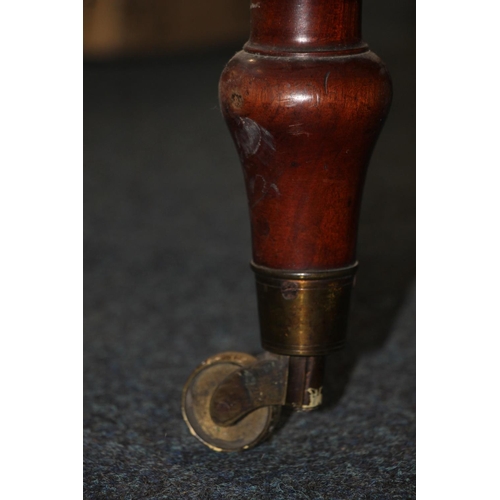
[305, 101]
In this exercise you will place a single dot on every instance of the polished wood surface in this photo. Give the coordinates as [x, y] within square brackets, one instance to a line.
[305, 102]
[304, 25]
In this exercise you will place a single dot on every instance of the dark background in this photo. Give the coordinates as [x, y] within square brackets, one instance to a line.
[167, 284]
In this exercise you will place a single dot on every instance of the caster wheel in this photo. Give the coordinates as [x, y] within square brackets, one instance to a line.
[196, 397]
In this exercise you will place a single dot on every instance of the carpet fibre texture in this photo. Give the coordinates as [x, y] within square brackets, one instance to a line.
[167, 284]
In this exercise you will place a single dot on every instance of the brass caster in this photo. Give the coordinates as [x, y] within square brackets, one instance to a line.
[232, 401]
[247, 431]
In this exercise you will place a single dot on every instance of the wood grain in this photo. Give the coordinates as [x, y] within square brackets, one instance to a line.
[305, 102]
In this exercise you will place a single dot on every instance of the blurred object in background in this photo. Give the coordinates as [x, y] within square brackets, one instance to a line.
[120, 28]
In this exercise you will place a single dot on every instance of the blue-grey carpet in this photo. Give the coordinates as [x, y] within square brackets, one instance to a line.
[167, 284]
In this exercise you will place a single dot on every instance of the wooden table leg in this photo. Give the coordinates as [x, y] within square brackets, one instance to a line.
[305, 101]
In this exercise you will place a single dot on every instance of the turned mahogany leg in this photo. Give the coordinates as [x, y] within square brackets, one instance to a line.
[305, 101]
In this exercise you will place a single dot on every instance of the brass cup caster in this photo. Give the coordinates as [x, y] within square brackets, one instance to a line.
[233, 400]
[198, 406]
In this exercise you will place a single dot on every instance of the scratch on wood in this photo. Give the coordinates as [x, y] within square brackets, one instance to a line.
[298, 129]
[275, 187]
[255, 5]
[264, 190]
[326, 82]
[251, 137]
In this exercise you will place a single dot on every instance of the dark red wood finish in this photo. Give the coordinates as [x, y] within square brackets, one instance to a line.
[304, 25]
[305, 102]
